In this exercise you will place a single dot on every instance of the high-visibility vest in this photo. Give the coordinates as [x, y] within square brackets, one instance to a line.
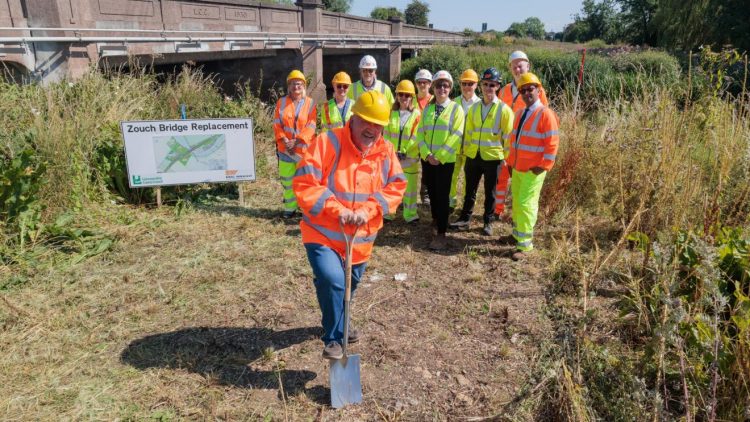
[459, 100]
[358, 88]
[294, 122]
[488, 136]
[441, 135]
[511, 97]
[333, 176]
[330, 116]
[404, 139]
[534, 144]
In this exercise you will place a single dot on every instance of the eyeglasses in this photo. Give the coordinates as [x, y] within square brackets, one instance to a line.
[527, 89]
[423, 82]
[368, 70]
[342, 86]
[443, 86]
[404, 94]
[490, 85]
[296, 83]
[467, 83]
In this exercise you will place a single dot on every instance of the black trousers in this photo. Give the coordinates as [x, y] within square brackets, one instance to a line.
[438, 181]
[474, 169]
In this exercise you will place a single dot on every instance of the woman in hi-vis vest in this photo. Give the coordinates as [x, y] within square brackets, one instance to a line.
[294, 128]
[337, 111]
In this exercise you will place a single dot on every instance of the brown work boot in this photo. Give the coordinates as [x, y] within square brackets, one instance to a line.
[518, 256]
[333, 351]
[439, 242]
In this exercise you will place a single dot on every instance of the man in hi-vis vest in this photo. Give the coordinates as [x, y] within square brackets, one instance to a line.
[368, 68]
[533, 150]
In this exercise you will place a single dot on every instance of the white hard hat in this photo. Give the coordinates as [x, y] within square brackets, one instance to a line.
[368, 62]
[423, 74]
[442, 74]
[518, 55]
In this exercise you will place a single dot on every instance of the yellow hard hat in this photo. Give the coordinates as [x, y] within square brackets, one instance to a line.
[406, 87]
[296, 74]
[342, 78]
[373, 107]
[527, 79]
[469, 75]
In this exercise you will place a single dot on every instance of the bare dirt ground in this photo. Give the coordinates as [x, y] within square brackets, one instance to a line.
[212, 314]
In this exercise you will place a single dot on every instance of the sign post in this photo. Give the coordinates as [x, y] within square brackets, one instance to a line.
[180, 152]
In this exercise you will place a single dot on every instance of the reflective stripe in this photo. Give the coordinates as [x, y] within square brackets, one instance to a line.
[408, 162]
[277, 121]
[550, 157]
[524, 244]
[337, 236]
[287, 179]
[489, 144]
[396, 177]
[337, 153]
[447, 148]
[383, 203]
[521, 234]
[489, 130]
[538, 135]
[524, 147]
[288, 158]
[311, 125]
[411, 195]
[351, 196]
[500, 192]
[439, 127]
[309, 169]
[385, 170]
[458, 133]
[290, 200]
[410, 206]
[318, 207]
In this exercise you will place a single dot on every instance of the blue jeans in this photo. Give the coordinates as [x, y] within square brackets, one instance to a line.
[330, 283]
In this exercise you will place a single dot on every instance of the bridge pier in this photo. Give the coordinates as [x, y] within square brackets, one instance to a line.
[312, 51]
[394, 62]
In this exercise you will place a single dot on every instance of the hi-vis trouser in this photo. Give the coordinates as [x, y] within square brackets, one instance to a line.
[287, 167]
[457, 170]
[410, 167]
[526, 187]
[503, 192]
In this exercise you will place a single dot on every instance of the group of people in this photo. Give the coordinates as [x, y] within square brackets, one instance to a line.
[366, 161]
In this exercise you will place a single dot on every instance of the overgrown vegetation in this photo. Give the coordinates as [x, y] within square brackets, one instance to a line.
[62, 151]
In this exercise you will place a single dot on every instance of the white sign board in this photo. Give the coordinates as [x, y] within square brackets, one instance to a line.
[179, 152]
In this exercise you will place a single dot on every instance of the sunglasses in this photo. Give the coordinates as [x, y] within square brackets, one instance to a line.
[423, 82]
[528, 89]
[443, 86]
[488, 85]
[342, 86]
[368, 70]
[403, 94]
[467, 83]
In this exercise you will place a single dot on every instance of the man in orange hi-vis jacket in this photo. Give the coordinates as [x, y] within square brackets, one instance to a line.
[293, 128]
[349, 176]
[518, 63]
[533, 150]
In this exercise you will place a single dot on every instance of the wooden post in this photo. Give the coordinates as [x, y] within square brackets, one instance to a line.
[241, 190]
[158, 196]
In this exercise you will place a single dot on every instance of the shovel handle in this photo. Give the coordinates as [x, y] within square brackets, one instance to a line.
[348, 240]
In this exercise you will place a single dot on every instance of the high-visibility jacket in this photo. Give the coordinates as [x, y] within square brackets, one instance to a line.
[330, 116]
[441, 135]
[333, 176]
[511, 97]
[490, 135]
[404, 139]
[358, 88]
[295, 121]
[534, 144]
[465, 106]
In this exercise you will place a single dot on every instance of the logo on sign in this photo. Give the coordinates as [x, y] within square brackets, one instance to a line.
[137, 180]
[230, 172]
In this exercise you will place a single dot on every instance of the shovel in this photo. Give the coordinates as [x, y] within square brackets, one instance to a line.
[346, 387]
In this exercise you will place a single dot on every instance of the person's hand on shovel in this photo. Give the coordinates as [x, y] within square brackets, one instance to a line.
[354, 218]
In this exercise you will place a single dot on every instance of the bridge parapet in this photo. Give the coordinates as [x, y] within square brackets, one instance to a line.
[54, 39]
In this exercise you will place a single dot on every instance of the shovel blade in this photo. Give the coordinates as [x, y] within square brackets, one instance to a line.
[346, 387]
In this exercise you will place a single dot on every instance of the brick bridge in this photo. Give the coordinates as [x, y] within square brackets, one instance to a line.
[239, 40]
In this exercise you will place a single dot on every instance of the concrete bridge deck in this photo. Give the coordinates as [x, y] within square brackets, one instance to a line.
[55, 39]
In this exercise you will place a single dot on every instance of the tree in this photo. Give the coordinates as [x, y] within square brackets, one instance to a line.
[416, 13]
[638, 17]
[516, 29]
[385, 12]
[341, 6]
[534, 28]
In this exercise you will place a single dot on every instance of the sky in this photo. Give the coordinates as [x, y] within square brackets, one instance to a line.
[455, 15]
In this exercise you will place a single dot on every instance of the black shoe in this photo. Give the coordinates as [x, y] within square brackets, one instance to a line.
[333, 351]
[487, 229]
[289, 214]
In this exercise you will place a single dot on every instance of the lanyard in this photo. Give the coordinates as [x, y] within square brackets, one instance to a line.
[296, 115]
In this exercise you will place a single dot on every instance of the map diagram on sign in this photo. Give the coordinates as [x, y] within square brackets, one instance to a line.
[175, 154]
